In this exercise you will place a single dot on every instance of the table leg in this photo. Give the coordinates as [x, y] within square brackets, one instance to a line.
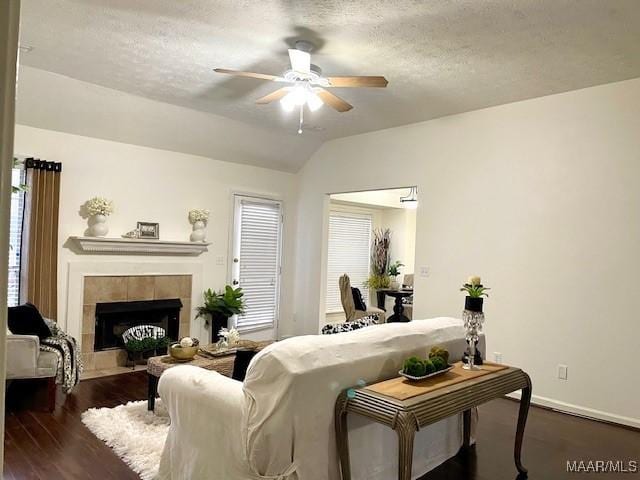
[525, 400]
[405, 426]
[152, 391]
[342, 435]
[466, 429]
[398, 312]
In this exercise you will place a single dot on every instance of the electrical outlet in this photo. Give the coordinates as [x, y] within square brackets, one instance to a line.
[424, 272]
[219, 260]
[497, 357]
[562, 372]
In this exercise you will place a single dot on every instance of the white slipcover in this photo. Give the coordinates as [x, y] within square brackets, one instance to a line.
[278, 424]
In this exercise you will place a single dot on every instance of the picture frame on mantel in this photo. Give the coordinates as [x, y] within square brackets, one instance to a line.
[149, 230]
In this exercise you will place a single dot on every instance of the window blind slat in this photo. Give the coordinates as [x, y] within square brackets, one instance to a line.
[348, 252]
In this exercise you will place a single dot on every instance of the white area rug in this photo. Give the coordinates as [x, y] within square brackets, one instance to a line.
[135, 434]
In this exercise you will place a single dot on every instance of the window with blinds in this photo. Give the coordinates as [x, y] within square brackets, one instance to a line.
[256, 268]
[349, 247]
[18, 176]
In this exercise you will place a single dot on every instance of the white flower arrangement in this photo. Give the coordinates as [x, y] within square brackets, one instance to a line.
[228, 337]
[474, 280]
[99, 206]
[198, 215]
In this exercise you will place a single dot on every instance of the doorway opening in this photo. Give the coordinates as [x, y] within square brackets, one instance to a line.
[371, 239]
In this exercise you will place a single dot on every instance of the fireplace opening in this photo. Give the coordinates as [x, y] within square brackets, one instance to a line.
[113, 318]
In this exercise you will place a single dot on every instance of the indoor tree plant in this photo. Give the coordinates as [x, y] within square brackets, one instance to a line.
[379, 278]
[219, 306]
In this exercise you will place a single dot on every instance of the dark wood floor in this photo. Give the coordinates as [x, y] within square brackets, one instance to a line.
[42, 445]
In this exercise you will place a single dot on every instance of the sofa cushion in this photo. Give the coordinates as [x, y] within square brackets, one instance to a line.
[358, 301]
[332, 328]
[26, 320]
[47, 364]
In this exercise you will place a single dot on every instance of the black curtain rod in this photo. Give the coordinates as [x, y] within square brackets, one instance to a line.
[42, 164]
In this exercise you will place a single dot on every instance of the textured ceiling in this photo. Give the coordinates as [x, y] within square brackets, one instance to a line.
[440, 56]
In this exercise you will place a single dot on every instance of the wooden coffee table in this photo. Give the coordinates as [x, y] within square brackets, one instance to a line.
[156, 366]
[408, 407]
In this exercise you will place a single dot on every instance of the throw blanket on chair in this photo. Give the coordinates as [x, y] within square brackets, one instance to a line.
[66, 349]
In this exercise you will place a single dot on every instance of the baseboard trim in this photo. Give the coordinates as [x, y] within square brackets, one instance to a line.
[581, 411]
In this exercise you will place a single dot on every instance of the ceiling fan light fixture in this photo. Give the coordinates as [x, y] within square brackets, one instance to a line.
[410, 201]
[288, 102]
[314, 101]
[299, 94]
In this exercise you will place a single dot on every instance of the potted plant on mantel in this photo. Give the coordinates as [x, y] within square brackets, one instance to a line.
[219, 307]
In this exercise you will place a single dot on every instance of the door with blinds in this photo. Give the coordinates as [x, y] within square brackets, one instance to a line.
[348, 252]
[257, 246]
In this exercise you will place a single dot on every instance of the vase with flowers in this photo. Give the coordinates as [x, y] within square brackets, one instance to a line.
[198, 219]
[473, 318]
[98, 209]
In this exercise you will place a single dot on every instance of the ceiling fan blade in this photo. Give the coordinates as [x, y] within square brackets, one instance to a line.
[273, 96]
[357, 81]
[238, 73]
[300, 61]
[333, 100]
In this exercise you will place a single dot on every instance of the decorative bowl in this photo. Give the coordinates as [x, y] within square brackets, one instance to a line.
[182, 354]
[411, 378]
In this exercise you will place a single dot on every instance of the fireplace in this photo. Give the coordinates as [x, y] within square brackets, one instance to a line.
[113, 318]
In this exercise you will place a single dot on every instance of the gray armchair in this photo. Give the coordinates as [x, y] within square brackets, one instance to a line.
[26, 361]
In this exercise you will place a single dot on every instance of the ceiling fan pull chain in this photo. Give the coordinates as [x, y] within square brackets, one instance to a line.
[301, 119]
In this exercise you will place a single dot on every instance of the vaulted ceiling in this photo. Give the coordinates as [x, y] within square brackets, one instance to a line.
[440, 56]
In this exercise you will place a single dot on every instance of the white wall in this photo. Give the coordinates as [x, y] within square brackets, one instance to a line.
[159, 186]
[402, 223]
[540, 198]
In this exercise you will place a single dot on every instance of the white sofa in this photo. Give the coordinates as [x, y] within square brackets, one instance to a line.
[278, 424]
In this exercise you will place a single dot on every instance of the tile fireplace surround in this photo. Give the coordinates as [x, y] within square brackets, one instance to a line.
[127, 288]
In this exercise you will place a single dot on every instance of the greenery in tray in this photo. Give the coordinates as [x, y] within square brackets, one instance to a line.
[474, 288]
[417, 367]
[146, 344]
[438, 363]
[414, 366]
[227, 303]
[429, 367]
[440, 352]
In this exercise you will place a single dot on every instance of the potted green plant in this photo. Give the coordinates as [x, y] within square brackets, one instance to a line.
[475, 291]
[394, 271]
[219, 306]
[139, 349]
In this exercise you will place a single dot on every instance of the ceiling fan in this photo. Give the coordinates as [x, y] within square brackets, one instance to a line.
[306, 85]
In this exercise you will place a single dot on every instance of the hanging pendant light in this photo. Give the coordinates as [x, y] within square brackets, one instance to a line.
[411, 200]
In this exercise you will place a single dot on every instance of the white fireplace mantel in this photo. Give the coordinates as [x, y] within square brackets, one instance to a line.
[136, 246]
